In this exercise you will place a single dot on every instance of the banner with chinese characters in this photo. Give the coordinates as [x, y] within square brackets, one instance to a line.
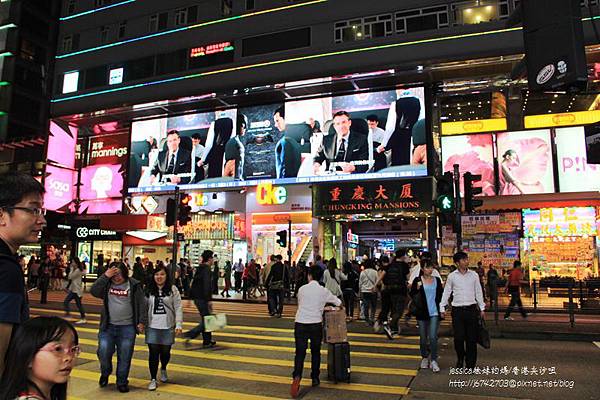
[567, 221]
[209, 226]
[372, 198]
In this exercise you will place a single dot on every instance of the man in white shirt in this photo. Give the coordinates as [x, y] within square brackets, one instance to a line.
[467, 305]
[312, 299]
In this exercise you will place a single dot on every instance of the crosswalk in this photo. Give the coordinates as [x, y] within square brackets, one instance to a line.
[253, 360]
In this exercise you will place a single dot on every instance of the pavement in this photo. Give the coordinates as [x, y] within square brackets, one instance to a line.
[254, 357]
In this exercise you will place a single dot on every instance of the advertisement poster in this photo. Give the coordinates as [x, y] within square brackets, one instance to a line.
[525, 162]
[474, 154]
[60, 185]
[372, 135]
[61, 144]
[574, 173]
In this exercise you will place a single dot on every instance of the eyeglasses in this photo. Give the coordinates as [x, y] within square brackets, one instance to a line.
[36, 211]
[58, 350]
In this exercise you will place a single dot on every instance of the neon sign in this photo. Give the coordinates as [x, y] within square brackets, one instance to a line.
[267, 194]
[211, 49]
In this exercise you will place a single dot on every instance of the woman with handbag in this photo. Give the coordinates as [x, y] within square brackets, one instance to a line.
[332, 277]
[165, 319]
[426, 292]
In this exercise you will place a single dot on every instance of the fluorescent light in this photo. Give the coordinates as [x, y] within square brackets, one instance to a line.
[70, 82]
[81, 14]
[7, 26]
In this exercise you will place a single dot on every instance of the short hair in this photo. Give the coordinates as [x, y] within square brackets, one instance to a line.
[242, 120]
[20, 185]
[280, 111]
[341, 114]
[196, 136]
[400, 253]
[173, 132]
[122, 268]
[517, 264]
[460, 255]
[316, 272]
[372, 117]
[279, 257]
[384, 259]
[206, 254]
[138, 259]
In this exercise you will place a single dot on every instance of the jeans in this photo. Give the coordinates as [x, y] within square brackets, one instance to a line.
[349, 297]
[123, 338]
[276, 300]
[393, 302]
[515, 300]
[369, 305]
[302, 333]
[464, 324]
[428, 333]
[238, 281]
[67, 301]
[202, 306]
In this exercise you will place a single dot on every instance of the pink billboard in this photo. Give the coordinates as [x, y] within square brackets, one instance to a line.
[60, 185]
[62, 141]
[474, 154]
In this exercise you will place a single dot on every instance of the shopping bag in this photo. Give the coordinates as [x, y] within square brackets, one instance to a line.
[483, 335]
[215, 322]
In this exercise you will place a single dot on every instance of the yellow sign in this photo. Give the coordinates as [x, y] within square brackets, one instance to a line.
[565, 119]
[267, 194]
[475, 126]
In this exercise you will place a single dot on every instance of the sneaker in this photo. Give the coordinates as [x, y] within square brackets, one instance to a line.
[163, 376]
[388, 331]
[376, 327]
[509, 319]
[103, 381]
[81, 321]
[152, 385]
[434, 366]
[209, 344]
[425, 363]
[295, 389]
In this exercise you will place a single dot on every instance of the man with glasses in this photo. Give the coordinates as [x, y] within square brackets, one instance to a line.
[21, 222]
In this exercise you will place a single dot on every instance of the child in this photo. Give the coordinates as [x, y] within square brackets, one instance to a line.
[41, 356]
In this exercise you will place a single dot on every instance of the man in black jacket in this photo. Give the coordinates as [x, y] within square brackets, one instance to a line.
[124, 314]
[201, 293]
[276, 281]
[21, 222]
[138, 271]
[173, 163]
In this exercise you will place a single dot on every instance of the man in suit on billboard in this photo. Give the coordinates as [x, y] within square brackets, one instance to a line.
[172, 162]
[343, 148]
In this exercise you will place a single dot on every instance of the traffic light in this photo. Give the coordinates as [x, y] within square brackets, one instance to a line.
[184, 209]
[445, 193]
[171, 207]
[282, 241]
[471, 203]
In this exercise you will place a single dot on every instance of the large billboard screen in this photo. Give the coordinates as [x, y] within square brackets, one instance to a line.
[574, 172]
[474, 154]
[372, 135]
[62, 140]
[525, 162]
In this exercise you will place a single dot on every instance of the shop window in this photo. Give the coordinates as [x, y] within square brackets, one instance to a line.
[104, 34]
[122, 29]
[280, 41]
[422, 19]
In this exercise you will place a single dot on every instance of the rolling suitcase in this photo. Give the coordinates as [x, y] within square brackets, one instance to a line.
[338, 362]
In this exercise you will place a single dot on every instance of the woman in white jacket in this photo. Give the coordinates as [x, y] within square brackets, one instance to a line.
[366, 283]
[75, 288]
[165, 319]
[332, 277]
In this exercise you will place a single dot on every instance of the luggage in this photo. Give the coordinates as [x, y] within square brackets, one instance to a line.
[334, 327]
[338, 362]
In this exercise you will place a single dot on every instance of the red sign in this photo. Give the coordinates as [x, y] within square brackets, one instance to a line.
[210, 49]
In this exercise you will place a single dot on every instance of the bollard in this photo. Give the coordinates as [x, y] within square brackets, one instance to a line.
[571, 311]
[535, 295]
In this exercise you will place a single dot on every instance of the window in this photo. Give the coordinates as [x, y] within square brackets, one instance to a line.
[153, 23]
[115, 76]
[250, 5]
[173, 62]
[181, 17]
[104, 34]
[364, 28]
[192, 14]
[102, 3]
[71, 7]
[70, 82]
[483, 11]
[226, 7]
[272, 42]
[422, 19]
[67, 43]
[122, 29]
[162, 21]
[94, 77]
[141, 68]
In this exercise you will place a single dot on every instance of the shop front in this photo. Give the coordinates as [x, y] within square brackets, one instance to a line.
[373, 218]
[96, 246]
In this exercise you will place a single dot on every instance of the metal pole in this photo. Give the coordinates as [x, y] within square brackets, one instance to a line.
[495, 289]
[535, 295]
[175, 242]
[571, 311]
[457, 208]
[289, 243]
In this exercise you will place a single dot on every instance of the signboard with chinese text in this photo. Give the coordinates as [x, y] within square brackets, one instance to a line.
[211, 226]
[567, 221]
[384, 197]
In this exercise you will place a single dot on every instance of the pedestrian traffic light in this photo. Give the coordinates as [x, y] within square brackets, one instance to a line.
[171, 209]
[471, 203]
[282, 241]
[445, 193]
[184, 209]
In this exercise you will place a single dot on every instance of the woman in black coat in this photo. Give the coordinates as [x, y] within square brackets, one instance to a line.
[426, 293]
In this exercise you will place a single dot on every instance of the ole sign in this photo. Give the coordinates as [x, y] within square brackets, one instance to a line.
[267, 194]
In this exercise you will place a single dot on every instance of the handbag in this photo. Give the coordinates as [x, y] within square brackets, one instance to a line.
[483, 335]
[215, 322]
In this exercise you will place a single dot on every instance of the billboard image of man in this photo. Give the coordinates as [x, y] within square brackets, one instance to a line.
[339, 151]
[173, 165]
[287, 150]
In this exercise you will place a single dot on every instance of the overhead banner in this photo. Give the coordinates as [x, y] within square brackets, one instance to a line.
[475, 126]
[567, 221]
[373, 198]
